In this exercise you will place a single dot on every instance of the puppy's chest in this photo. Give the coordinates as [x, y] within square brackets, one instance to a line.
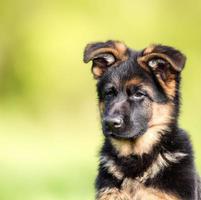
[136, 190]
[134, 167]
[132, 187]
[137, 175]
[137, 187]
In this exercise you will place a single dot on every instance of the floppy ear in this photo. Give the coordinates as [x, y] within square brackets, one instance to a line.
[165, 62]
[104, 55]
[163, 54]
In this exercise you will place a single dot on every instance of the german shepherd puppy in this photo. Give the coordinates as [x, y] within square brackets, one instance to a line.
[145, 155]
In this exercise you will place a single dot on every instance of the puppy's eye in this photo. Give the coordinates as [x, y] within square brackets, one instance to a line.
[135, 93]
[110, 92]
[139, 95]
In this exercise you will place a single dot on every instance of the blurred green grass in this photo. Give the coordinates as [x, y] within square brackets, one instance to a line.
[49, 122]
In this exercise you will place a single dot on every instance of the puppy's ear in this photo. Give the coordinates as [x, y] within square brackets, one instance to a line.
[165, 62]
[155, 55]
[104, 55]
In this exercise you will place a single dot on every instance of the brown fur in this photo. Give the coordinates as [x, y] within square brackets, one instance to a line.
[169, 84]
[97, 71]
[101, 107]
[136, 187]
[116, 48]
[153, 194]
[141, 145]
[122, 49]
[162, 161]
[111, 167]
[153, 51]
[112, 194]
[161, 114]
[134, 81]
[140, 192]
[132, 190]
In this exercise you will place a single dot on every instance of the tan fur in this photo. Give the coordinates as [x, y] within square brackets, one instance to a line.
[161, 114]
[134, 189]
[134, 81]
[96, 52]
[112, 194]
[101, 107]
[141, 145]
[97, 71]
[159, 164]
[122, 49]
[138, 191]
[111, 167]
[143, 64]
[149, 49]
[147, 87]
[118, 50]
[145, 143]
[168, 85]
[153, 194]
[174, 157]
[162, 161]
[154, 169]
[123, 147]
[151, 52]
[130, 186]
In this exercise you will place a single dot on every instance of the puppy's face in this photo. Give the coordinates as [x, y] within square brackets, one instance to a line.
[126, 96]
[136, 90]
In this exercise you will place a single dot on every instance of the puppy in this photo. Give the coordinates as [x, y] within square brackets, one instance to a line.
[145, 155]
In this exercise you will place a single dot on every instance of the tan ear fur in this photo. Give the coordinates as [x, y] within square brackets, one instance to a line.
[104, 55]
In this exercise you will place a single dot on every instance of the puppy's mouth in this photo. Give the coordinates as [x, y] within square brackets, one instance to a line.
[122, 135]
[122, 132]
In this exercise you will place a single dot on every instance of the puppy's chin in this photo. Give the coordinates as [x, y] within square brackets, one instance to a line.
[121, 135]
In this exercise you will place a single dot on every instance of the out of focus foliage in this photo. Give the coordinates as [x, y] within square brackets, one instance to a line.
[49, 122]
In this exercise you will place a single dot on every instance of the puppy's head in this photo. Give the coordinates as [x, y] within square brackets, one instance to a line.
[137, 90]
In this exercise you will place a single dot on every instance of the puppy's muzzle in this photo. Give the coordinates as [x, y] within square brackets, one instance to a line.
[113, 124]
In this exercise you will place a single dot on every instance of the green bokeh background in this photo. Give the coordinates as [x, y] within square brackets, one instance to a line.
[49, 122]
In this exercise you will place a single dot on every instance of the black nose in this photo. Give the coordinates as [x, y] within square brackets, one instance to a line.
[113, 123]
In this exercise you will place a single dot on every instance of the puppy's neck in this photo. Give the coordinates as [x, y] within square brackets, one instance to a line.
[144, 144]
